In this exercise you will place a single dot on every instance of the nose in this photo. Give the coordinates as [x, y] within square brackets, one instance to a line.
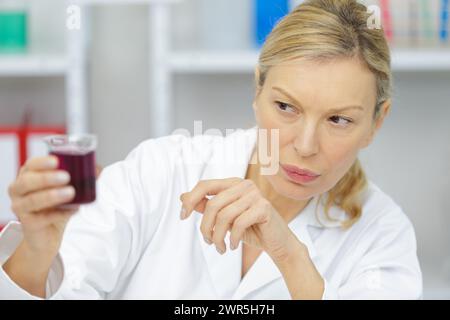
[306, 140]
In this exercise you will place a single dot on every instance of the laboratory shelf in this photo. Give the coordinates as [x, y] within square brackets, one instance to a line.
[245, 61]
[33, 65]
[421, 59]
[164, 61]
[213, 62]
[120, 2]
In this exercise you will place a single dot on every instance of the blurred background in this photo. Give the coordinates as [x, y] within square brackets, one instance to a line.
[129, 70]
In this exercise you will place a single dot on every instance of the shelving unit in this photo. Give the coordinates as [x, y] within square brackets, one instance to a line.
[159, 74]
[165, 63]
[70, 64]
[121, 2]
[213, 62]
[245, 61]
[33, 65]
[421, 59]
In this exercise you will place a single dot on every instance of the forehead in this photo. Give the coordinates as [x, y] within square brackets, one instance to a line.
[333, 82]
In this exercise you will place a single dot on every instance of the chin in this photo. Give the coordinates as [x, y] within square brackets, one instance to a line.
[290, 189]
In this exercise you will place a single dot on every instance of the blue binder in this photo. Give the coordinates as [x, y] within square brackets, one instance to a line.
[268, 13]
[443, 32]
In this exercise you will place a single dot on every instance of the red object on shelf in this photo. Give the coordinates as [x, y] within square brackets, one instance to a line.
[387, 19]
[25, 133]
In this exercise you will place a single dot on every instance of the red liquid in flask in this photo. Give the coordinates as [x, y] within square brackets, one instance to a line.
[81, 167]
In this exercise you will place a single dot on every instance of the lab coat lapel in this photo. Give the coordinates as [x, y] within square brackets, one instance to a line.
[319, 219]
[228, 159]
[264, 270]
[224, 270]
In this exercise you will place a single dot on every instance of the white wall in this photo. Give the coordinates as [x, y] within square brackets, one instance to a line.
[410, 160]
[119, 80]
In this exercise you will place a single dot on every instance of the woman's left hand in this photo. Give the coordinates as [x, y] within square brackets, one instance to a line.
[238, 207]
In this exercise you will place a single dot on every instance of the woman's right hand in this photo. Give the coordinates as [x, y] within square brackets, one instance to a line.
[35, 194]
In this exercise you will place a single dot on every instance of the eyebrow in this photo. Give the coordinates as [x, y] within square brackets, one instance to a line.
[331, 110]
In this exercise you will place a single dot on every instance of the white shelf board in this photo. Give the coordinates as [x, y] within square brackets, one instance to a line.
[213, 62]
[113, 2]
[245, 61]
[33, 65]
[421, 59]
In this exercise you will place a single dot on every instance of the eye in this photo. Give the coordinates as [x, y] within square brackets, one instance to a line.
[341, 121]
[285, 107]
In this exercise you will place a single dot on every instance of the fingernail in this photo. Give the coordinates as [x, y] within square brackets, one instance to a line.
[207, 240]
[183, 213]
[61, 177]
[52, 162]
[66, 192]
[219, 250]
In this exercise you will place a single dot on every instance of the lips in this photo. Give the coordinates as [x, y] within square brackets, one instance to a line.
[299, 175]
[297, 170]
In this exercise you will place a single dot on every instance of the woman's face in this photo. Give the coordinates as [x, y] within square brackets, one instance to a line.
[324, 113]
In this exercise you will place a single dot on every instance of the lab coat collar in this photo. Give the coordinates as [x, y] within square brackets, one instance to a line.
[264, 270]
[228, 283]
[319, 219]
[225, 270]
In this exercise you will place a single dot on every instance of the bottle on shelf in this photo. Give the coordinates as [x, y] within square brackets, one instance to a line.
[13, 26]
[267, 15]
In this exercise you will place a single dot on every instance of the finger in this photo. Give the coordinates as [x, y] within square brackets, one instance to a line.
[98, 170]
[220, 201]
[225, 219]
[40, 163]
[253, 215]
[44, 218]
[34, 180]
[45, 199]
[201, 190]
[201, 206]
[61, 215]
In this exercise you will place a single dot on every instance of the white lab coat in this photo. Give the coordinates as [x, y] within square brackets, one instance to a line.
[131, 243]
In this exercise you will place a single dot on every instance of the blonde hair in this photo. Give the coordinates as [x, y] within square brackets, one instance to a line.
[325, 30]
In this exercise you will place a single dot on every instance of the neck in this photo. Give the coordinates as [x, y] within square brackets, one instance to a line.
[288, 208]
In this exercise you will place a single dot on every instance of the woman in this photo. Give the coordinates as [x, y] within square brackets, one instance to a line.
[305, 225]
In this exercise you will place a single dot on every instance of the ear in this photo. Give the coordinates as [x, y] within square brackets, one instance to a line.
[258, 88]
[385, 109]
[384, 112]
